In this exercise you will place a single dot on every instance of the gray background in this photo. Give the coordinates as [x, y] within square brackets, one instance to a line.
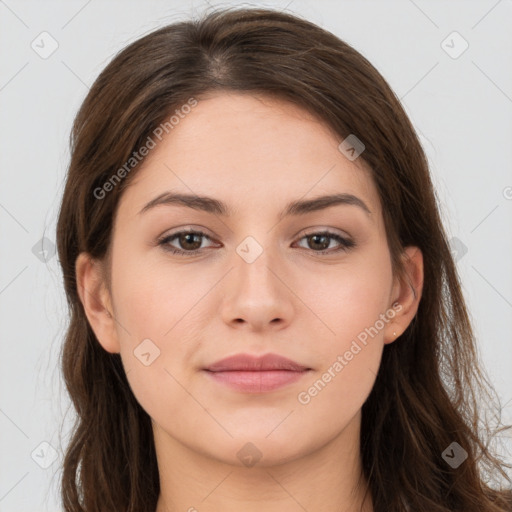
[461, 104]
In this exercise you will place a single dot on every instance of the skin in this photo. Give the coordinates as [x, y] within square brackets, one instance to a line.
[256, 154]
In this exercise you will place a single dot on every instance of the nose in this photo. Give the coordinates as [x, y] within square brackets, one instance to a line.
[258, 295]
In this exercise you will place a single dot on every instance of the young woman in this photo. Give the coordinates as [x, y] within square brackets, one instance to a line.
[265, 312]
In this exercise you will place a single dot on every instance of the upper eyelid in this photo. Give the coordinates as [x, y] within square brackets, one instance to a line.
[301, 233]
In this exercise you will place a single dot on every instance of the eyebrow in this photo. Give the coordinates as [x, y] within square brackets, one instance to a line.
[211, 205]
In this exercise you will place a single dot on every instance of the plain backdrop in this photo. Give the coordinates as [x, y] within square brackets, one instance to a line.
[456, 88]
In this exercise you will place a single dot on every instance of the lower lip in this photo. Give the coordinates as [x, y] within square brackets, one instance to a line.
[258, 381]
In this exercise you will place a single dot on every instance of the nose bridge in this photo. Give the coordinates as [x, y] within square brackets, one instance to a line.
[256, 264]
[256, 293]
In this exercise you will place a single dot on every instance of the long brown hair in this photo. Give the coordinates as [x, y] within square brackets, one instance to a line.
[430, 388]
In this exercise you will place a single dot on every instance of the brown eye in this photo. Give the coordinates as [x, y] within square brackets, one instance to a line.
[319, 242]
[189, 242]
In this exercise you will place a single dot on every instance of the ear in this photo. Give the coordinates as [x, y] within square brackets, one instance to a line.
[96, 300]
[406, 294]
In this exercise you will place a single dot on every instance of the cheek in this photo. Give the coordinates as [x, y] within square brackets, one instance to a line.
[151, 299]
[347, 299]
[158, 310]
[350, 305]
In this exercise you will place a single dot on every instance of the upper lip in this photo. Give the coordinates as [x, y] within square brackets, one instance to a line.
[247, 362]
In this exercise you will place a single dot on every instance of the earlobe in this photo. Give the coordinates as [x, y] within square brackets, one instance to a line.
[96, 301]
[407, 294]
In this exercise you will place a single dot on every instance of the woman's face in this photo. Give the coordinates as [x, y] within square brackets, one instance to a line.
[258, 283]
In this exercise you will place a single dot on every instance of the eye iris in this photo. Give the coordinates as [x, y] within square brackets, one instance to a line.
[185, 239]
[324, 245]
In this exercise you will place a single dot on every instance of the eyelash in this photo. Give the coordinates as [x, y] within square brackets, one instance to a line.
[346, 244]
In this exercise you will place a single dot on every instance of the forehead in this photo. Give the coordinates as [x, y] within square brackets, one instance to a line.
[248, 151]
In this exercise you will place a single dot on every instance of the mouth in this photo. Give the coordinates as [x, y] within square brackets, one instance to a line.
[250, 374]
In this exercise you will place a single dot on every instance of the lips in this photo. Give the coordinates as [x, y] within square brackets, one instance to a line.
[249, 374]
[248, 363]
